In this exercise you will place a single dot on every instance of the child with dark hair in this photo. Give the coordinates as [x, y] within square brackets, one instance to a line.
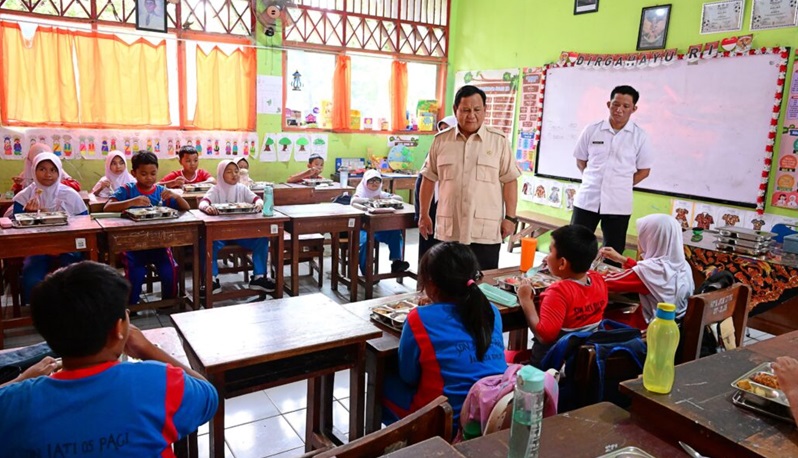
[144, 193]
[450, 344]
[102, 406]
[190, 174]
[47, 193]
[315, 167]
[576, 302]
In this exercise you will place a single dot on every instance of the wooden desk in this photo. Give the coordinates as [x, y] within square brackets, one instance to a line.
[587, 432]
[376, 222]
[400, 181]
[249, 347]
[323, 218]
[96, 204]
[6, 203]
[233, 227]
[320, 194]
[79, 235]
[435, 446]
[126, 235]
[699, 410]
[383, 350]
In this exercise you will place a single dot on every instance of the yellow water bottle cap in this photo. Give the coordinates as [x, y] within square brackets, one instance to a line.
[665, 307]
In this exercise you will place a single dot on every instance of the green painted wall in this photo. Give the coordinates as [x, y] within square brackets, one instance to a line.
[529, 33]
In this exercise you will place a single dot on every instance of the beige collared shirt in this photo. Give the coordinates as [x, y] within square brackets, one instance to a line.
[470, 174]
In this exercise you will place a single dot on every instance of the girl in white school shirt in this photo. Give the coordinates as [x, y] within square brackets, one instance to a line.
[116, 175]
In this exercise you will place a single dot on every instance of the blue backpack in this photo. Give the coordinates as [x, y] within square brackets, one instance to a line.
[608, 339]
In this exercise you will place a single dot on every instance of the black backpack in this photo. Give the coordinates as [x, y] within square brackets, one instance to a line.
[711, 341]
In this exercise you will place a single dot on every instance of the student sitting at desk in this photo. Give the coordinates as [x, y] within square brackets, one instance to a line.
[315, 166]
[663, 274]
[576, 302]
[144, 193]
[190, 174]
[25, 178]
[97, 406]
[116, 175]
[228, 190]
[450, 344]
[370, 188]
[47, 193]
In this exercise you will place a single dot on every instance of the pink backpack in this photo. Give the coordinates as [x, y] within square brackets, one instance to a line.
[495, 392]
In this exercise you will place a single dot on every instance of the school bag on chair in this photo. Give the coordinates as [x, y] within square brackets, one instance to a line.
[722, 336]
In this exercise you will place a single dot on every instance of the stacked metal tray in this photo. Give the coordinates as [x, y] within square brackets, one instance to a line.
[150, 213]
[743, 241]
[235, 208]
[758, 390]
[197, 187]
[22, 220]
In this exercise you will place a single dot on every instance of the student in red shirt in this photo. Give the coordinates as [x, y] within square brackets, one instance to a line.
[191, 173]
[663, 274]
[576, 302]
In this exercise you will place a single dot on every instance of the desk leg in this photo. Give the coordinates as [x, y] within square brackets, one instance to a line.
[369, 262]
[208, 277]
[319, 420]
[357, 393]
[216, 434]
[335, 246]
[277, 261]
[295, 262]
[354, 249]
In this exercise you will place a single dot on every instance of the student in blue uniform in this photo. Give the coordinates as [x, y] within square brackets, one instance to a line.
[146, 192]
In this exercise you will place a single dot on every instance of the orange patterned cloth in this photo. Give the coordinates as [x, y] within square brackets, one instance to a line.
[768, 280]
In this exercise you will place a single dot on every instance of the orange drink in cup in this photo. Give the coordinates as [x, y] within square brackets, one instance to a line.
[529, 246]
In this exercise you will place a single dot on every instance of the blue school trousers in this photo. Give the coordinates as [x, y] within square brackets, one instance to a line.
[35, 268]
[260, 253]
[392, 238]
[136, 263]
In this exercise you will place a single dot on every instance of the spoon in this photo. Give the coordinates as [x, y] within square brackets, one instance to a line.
[691, 451]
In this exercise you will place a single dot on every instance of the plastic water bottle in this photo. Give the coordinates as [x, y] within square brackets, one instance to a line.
[527, 413]
[662, 339]
[343, 174]
[268, 201]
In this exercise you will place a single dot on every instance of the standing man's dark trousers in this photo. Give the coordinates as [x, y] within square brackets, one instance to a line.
[487, 255]
[613, 227]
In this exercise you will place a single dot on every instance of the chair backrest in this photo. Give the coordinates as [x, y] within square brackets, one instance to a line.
[714, 307]
[434, 419]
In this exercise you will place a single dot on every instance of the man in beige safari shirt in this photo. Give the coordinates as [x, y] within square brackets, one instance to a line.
[477, 182]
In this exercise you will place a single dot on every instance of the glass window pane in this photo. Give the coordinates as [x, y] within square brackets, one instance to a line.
[421, 84]
[316, 70]
[371, 77]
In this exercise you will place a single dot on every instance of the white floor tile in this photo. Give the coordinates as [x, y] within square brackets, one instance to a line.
[262, 438]
[290, 397]
[203, 450]
[248, 408]
[298, 421]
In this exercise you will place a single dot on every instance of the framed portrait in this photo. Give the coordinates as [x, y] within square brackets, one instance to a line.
[585, 6]
[151, 15]
[653, 31]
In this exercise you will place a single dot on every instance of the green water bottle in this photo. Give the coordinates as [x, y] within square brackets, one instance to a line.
[662, 338]
[268, 201]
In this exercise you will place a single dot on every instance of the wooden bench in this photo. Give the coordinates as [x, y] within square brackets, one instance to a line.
[531, 224]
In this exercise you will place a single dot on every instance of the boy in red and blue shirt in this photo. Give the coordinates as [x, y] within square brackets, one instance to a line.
[97, 406]
[144, 193]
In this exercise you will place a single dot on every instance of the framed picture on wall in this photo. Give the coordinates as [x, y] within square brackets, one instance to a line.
[653, 32]
[774, 14]
[724, 16]
[585, 6]
[151, 15]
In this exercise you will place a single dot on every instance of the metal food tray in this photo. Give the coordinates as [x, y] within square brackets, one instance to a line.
[260, 185]
[512, 282]
[197, 187]
[628, 452]
[771, 395]
[744, 242]
[386, 203]
[24, 220]
[745, 234]
[316, 181]
[739, 249]
[754, 403]
[237, 208]
[394, 314]
[606, 269]
[150, 213]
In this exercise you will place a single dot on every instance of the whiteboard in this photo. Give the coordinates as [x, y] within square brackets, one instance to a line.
[708, 122]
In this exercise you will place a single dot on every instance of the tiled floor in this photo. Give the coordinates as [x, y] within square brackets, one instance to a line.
[271, 423]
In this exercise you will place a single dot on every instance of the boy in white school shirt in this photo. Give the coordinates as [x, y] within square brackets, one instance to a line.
[613, 155]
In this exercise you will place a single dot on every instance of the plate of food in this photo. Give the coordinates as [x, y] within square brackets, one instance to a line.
[394, 314]
[538, 281]
[762, 383]
[197, 187]
[236, 207]
[40, 219]
[150, 213]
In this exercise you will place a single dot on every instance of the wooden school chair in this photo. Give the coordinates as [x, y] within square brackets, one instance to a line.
[311, 250]
[434, 419]
[713, 307]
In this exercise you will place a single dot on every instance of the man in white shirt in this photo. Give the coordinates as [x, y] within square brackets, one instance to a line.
[613, 155]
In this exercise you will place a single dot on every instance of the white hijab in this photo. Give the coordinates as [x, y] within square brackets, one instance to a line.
[117, 181]
[29, 172]
[223, 193]
[56, 197]
[363, 191]
[450, 121]
[664, 269]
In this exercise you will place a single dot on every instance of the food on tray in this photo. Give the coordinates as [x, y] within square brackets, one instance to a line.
[769, 380]
[386, 203]
[150, 213]
[744, 385]
[316, 181]
[512, 282]
[235, 207]
[40, 218]
[197, 187]
[606, 269]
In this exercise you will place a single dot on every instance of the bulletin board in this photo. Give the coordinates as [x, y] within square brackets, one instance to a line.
[710, 122]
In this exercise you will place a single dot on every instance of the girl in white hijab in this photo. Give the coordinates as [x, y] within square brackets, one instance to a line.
[228, 190]
[370, 188]
[25, 178]
[47, 193]
[116, 175]
[663, 274]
